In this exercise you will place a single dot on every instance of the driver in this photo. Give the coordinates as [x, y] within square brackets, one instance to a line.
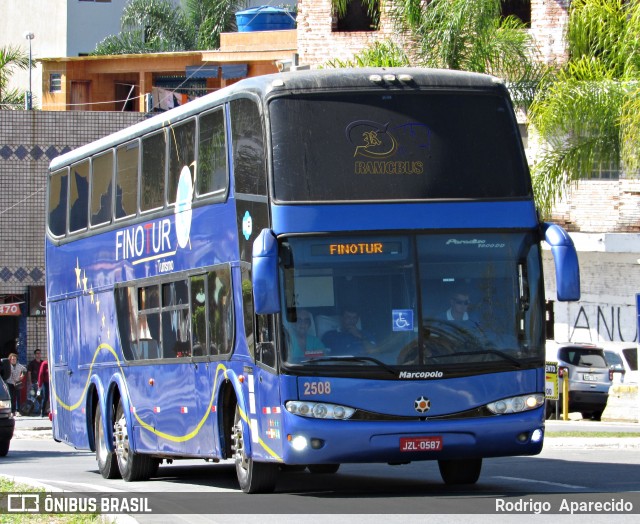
[349, 339]
[458, 311]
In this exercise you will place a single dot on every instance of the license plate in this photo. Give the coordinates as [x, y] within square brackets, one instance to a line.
[590, 377]
[420, 444]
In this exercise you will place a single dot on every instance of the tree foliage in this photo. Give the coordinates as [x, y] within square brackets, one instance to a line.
[151, 26]
[588, 113]
[11, 58]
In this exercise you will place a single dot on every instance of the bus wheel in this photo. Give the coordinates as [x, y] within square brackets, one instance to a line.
[460, 471]
[323, 469]
[107, 461]
[133, 466]
[253, 477]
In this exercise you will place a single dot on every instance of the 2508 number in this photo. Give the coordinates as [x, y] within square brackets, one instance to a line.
[317, 388]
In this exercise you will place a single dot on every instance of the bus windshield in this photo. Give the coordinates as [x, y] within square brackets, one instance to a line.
[396, 146]
[459, 303]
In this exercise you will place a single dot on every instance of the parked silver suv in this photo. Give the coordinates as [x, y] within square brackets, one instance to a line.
[589, 378]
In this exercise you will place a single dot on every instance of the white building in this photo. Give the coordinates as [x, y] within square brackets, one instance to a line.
[59, 28]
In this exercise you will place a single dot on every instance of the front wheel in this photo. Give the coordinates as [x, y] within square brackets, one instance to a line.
[460, 471]
[133, 466]
[4, 447]
[253, 477]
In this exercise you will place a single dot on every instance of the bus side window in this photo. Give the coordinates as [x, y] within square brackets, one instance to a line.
[220, 311]
[58, 189]
[212, 155]
[247, 310]
[248, 147]
[182, 146]
[101, 188]
[154, 153]
[127, 180]
[266, 348]
[79, 201]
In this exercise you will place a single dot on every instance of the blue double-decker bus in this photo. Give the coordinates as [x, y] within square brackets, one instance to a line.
[310, 268]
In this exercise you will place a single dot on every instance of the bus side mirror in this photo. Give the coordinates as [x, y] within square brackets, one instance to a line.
[565, 258]
[266, 297]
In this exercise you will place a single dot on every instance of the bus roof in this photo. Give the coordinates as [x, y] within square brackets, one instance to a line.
[304, 80]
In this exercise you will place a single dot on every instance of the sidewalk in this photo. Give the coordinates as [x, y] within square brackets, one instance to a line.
[32, 427]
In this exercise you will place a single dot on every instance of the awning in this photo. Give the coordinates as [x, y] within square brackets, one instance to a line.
[234, 71]
[203, 71]
[11, 310]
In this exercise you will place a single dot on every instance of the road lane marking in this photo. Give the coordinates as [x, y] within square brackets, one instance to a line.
[559, 484]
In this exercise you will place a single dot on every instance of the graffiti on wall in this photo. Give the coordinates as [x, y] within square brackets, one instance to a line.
[602, 323]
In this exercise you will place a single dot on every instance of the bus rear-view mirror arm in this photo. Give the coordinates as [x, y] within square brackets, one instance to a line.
[566, 261]
[264, 277]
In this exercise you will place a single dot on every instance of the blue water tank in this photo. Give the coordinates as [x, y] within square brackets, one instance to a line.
[265, 18]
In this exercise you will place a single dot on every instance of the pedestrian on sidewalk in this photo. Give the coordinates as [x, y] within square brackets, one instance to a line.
[16, 382]
[43, 387]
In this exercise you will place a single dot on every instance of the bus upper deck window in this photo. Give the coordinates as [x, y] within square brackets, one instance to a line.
[79, 196]
[154, 153]
[182, 139]
[101, 188]
[212, 154]
[58, 202]
[127, 180]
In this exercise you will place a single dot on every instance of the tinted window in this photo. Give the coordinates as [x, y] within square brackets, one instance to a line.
[127, 180]
[395, 146]
[101, 188]
[154, 153]
[79, 196]
[212, 154]
[248, 147]
[583, 357]
[58, 203]
[182, 140]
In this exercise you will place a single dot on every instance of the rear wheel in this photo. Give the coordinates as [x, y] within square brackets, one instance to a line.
[460, 471]
[107, 461]
[253, 477]
[133, 466]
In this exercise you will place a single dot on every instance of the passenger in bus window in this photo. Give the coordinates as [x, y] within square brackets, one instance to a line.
[303, 344]
[349, 338]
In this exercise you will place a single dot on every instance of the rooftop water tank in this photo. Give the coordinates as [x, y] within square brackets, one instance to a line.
[265, 18]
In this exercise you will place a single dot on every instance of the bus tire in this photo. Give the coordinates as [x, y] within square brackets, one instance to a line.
[323, 469]
[107, 460]
[460, 471]
[133, 466]
[253, 477]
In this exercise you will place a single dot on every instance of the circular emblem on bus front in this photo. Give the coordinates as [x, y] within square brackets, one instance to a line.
[183, 207]
[422, 405]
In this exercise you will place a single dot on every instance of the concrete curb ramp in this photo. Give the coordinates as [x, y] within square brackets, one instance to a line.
[623, 404]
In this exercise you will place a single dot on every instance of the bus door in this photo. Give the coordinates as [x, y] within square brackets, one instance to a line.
[266, 390]
[63, 337]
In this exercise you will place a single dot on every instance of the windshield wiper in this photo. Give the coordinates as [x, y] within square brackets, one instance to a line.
[502, 354]
[349, 358]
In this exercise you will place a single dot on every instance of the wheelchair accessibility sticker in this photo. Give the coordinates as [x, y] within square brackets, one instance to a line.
[402, 319]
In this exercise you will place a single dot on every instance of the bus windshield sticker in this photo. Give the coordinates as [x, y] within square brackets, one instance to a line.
[402, 319]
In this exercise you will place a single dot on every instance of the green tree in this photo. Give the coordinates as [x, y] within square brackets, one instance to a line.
[149, 26]
[11, 57]
[588, 113]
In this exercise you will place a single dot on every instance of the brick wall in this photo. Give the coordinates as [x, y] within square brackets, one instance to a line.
[548, 25]
[28, 142]
[318, 43]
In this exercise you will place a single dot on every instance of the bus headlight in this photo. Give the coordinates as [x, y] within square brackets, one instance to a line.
[516, 404]
[319, 410]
